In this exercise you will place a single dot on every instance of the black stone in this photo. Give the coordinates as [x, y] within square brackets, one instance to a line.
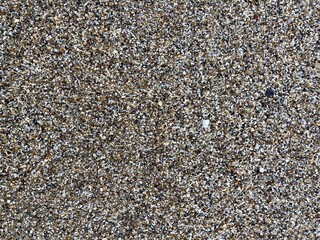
[269, 92]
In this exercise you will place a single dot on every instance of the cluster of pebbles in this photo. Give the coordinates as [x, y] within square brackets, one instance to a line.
[159, 119]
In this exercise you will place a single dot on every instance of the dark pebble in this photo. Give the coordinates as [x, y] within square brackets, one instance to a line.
[269, 92]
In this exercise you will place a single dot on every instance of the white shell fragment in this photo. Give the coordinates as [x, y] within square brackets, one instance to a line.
[205, 123]
[262, 170]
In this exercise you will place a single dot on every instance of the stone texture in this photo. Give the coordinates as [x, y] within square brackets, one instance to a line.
[101, 112]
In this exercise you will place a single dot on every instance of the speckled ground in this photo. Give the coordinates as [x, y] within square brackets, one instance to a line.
[159, 119]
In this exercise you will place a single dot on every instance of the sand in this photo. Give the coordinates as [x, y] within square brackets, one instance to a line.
[159, 120]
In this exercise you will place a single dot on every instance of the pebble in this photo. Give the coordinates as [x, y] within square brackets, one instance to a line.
[262, 170]
[269, 92]
[205, 123]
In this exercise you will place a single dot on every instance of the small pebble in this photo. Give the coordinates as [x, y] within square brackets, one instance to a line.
[257, 147]
[205, 123]
[269, 92]
[261, 170]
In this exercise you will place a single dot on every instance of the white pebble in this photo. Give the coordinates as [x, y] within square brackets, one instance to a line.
[262, 170]
[205, 123]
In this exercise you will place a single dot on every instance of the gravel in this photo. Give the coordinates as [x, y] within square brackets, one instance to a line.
[159, 119]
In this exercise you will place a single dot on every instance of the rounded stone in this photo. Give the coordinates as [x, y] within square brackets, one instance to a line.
[269, 92]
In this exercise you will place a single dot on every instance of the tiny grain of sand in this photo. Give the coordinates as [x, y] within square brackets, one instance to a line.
[159, 119]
